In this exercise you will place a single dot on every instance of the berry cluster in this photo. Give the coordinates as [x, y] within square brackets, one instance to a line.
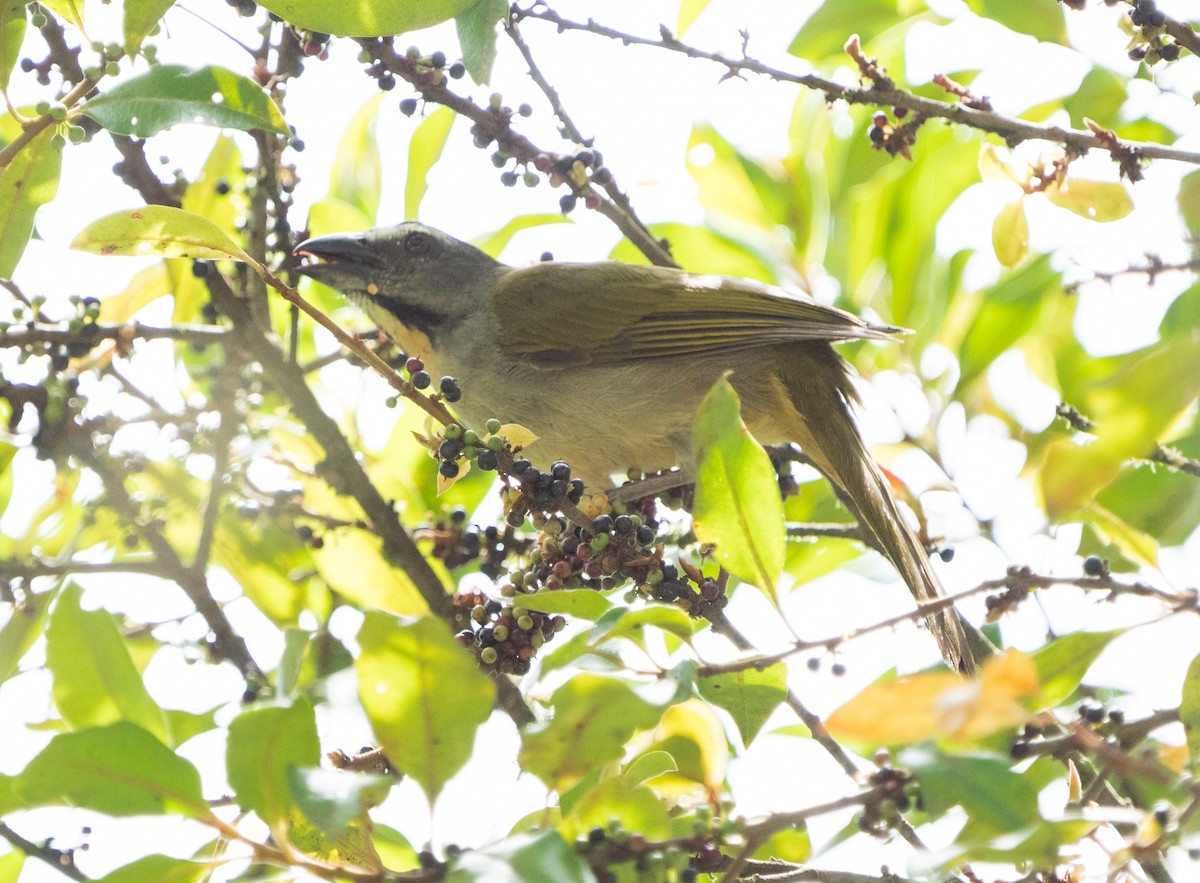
[1091, 713]
[427, 71]
[466, 444]
[1015, 591]
[245, 8]
[896, 792]
[456, 543]
[503, 637]
[682, 859]
[895, 138]
[1151, 22]
[581, 171]
[539, 491]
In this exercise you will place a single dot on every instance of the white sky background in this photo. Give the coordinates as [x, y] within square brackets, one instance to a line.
[641, 104]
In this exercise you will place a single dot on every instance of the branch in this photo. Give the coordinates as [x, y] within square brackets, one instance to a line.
[227, 643]
[26, 335]
[62, 860]
[1013, 131]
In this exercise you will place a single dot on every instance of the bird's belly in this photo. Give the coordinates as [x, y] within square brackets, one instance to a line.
[605, 420]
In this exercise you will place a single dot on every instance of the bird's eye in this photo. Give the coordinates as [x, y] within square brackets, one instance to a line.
[419, 244]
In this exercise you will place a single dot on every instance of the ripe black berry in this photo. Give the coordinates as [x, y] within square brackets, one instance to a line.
[421, 379]
[1093, 566]
[486, 460]
[645, 535]
[408, 106]
[448, 468]
[602, 524]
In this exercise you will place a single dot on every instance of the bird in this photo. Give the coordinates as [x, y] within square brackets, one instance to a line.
[607, 364]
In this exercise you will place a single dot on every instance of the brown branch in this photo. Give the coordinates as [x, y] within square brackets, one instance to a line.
[1013, 131]
[495, 125]
[25, 335]
[227, 643]
[62, 860]
[1175, 459]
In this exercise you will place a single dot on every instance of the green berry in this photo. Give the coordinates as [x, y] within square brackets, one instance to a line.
[42, 108]
[488, 655]
[495, 443]
[93, 72]
[600, 542]
[470, 437]
[38, 20]
[111, 68]
[58, 112]
[500, 633]
[525, 623]
[76, 134]
[57, 141]
[493, 426]
[453, 431]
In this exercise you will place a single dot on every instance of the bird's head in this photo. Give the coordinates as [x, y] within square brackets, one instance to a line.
[409, 274]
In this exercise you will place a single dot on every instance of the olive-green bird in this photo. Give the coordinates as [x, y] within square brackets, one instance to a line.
[607, 364]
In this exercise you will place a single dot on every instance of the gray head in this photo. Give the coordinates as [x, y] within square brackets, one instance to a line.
[409, 273]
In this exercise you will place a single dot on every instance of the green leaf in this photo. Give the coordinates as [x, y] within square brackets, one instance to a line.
[620, 801]
[295, 640]
[157, 230]
[525, 858]
[749, 696]
[1039, 18]
[1010, 233]
[10, 866]
[68, 10]
[577, 603]
[689, 11]
[95, 680]
[120, 770]
[1063, 662]
[594, 717]
[1009, 309]
[159, 869]
[357, 174]
[12, 33]
[28, 182]
[332, 799]
[649, 766]
[477, 36]
[170, 94]
[1189, 710]
[379, 18]
[423, 151]
[1095, 200]
[1135, 399]
[140, 18]
[738, 506]
[827, 29]
[424, 694]
[264, 743]
[496, 242]
[625, 622]
[222, 170]
[183, 725]
[1189, 202]
[23, 628]
[994, 797]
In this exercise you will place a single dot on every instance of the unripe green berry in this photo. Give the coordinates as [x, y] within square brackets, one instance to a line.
[453, 431]
[470, 437]
[494, 443]
[57, 141]
[493, 426]
[93, 72]
[76, 134]
[42, 108]
[525, 623]
[488, 655]
[111, 68]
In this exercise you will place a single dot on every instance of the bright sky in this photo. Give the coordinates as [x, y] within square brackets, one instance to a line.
[641, 105]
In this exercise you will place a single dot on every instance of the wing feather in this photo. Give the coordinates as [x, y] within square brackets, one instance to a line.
[627, 312]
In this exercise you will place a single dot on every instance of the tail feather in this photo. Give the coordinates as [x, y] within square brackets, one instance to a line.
[819, 386]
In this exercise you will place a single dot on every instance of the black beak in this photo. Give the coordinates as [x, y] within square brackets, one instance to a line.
[347, 251]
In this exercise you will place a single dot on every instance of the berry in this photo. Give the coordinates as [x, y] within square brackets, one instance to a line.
[486, 460]
[623, 524]
[525, 110]
[421, 379]
[645, 535]
[408, 106]
[387, 82]
[438, 59]
[602, 524]
[449, 469]
[1093, 566]
[567, 203]
[520, 466]
[493, 426]
[837, 669]
[947, 554]
[509, 179]
[560, 470]
[488, 655]
[449, 387]
[457, 70]
[450, 449]
[414, 365]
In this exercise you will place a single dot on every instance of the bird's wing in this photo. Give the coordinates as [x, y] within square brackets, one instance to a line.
[624, 312]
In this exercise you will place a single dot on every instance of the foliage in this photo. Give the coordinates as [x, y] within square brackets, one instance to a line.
[227, 561]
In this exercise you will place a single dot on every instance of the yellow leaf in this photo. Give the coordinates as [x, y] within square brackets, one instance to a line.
[1010, 233]
[1094, 200]
[517, 435]
[939, 704]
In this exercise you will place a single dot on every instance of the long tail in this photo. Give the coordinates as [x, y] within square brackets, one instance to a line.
[819, 386]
